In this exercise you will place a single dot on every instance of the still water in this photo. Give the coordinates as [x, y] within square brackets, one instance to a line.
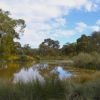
[26, 71]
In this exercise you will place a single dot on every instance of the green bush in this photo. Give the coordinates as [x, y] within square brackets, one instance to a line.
[13, 58]
[96, 57]
[25, 58]
[83, 59]
[37, 57]
[22, 58]
[86, 60]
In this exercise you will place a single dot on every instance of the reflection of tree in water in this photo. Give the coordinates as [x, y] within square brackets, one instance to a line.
[55, 71]
[7, 70]
[45, 71]
[25, 64]
[13, 69]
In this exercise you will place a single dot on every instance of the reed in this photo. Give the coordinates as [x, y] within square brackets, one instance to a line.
[50, 89]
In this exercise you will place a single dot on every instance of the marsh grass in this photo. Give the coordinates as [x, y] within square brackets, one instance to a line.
[51, 89]
[8, 91]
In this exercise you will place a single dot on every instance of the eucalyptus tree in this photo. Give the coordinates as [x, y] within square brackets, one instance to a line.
[8, 29]
[96, 40]
[49, 47]
[69, 49]
[26, 49]
[9, 25]
[84, 44]
[54, 44]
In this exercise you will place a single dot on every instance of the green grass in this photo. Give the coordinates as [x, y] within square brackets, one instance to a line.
[51, 89]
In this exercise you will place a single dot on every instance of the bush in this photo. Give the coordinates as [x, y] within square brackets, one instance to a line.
[29, 58]
[86, 60]
[22, 58]
[96, 57]
[37, 57]
[82, 60]
[13, 58]
[25, 58]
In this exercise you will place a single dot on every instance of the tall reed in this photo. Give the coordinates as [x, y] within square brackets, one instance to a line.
[50, 89]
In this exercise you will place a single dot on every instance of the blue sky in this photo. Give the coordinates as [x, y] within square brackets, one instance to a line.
[62, 20]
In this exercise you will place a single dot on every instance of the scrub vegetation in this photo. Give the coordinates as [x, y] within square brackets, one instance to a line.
[52, 89]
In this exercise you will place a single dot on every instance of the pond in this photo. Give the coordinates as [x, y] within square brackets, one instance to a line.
[26, 71]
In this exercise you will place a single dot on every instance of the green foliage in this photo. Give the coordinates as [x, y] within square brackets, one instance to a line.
[86, 60]
[49, 47]
[37, 57]
[82, 59]
[8, 33]
[29, 58]
[7, 46]
[13, 58]
[22, 58]
[43, 91]
[69, 49]
[8, 24]
[34, 90]
[96, 40]
[84, 44]
[52, 89]
[25, 58]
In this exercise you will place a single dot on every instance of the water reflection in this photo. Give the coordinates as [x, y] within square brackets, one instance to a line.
[61, 72]
[30, 70]
[27, 75]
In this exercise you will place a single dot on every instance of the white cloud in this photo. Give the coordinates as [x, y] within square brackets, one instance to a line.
[61, 21]
[94, 28]
[63, 33]
[80, 27]
[98, 22]
[44, 17]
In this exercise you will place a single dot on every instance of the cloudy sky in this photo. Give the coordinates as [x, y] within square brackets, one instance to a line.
[62, 20]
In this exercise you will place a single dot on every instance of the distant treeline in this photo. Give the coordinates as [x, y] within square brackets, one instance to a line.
[49, 48]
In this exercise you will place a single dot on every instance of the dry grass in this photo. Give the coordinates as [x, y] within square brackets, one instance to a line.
[85, 76]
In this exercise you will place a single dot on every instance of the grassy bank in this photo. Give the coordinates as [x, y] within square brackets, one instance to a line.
[50, 90]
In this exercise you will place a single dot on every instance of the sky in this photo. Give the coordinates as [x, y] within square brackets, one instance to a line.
[62, 20]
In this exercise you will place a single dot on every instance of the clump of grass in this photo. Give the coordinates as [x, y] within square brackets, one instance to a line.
[35, 90]
[8, 91]
[82, 78]
[50, 89]
[77, 93]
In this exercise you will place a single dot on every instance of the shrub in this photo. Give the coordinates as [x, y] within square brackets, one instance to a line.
[83, 60]
[37, 57]
[29, 58]
[96, 57]
[86, 60]
[22, 58]
[13, 58]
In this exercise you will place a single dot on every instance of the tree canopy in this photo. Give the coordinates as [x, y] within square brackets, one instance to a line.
[8, 31]
[49, 47]
[9, 25]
